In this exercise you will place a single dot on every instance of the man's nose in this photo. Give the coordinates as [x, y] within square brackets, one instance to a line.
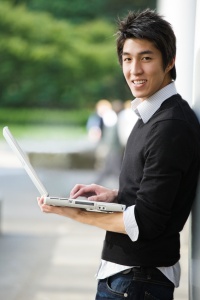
[135, 68]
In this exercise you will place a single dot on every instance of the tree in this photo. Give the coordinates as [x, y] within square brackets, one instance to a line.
[86, 10]
[46, 62]
[53, 62]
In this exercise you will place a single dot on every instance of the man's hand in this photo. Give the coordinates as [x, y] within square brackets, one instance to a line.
[94, 192]
[69, 212]
[107, 221]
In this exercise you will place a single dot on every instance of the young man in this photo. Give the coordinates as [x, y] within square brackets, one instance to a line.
[158, 179]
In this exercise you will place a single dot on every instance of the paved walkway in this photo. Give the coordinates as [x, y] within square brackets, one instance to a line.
[46, 257]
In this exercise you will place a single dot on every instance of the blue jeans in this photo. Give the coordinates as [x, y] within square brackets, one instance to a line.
[138, 284]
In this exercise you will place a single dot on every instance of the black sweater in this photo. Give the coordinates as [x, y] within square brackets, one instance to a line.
[159, 175]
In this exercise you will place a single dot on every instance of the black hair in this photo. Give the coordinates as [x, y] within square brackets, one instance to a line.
[151, 26]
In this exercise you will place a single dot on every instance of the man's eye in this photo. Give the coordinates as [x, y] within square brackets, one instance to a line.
[146, 58]
[127, 59]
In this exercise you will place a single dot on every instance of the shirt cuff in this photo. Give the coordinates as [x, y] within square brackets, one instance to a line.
[130, 223]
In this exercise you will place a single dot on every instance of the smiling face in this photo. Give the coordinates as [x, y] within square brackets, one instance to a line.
[143, 70]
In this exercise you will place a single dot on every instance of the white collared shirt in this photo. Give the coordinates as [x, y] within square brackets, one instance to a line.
[145, 110]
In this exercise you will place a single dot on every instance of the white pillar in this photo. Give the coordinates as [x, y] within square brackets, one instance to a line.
[194, 274]
[184, 15]
[181, 15]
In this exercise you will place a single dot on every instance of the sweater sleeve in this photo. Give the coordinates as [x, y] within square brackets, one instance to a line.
[168, 155]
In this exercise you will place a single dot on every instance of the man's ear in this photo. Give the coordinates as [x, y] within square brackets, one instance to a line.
[171, 65]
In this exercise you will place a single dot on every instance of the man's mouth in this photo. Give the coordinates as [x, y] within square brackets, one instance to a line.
[138, 82]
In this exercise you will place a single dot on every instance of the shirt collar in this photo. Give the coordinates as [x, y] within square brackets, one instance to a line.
[145, 109]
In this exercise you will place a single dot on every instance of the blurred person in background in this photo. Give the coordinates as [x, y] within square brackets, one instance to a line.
[109, 151]
[159, 173]
[99, 128]
[95, 124]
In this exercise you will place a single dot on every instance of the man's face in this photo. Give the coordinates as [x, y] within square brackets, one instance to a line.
[143, 68]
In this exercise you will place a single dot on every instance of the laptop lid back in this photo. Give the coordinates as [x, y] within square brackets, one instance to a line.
[24, 160]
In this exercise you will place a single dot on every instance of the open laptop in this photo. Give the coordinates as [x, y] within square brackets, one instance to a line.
[57, 201]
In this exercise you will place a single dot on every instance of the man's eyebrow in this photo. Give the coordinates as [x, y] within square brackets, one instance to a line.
[146, 52]
[139, 53]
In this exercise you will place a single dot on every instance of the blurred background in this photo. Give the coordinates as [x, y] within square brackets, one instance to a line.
[63, 95]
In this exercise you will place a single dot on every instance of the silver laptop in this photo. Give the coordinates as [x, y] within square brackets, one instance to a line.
[57, 201]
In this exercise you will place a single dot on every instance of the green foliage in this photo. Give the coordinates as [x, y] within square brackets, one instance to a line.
[49, 62]
[23, 116]
[86, 10]
[45, 62]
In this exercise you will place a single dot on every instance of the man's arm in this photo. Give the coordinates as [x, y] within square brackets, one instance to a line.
[107, 221]
[124, 223]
